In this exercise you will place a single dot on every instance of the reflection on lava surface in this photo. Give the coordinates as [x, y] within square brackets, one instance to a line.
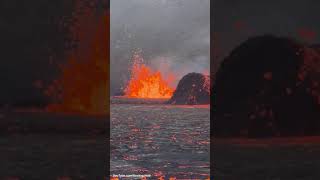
[161, 140]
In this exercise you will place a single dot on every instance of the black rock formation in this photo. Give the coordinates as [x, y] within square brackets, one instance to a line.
[193, 88]
[267, 86]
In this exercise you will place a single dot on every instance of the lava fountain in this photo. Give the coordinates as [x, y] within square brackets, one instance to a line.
[83, 84]
[147, 83]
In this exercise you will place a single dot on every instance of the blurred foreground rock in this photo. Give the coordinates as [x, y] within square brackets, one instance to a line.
[268, 86]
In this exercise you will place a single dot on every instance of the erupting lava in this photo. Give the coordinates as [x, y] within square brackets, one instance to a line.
[147, 83]
[83, 85]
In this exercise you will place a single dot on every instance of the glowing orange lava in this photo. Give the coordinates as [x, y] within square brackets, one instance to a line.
[83, 84]
[147, 83]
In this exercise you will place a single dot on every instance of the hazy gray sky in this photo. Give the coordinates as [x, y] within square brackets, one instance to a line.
[234, 21]
[173, 31]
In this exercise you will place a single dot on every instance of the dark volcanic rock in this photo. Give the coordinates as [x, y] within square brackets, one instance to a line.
[193, 88]
[268, 86]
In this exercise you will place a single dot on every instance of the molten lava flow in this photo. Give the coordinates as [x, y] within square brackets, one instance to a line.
[146, 83]
[83, 85]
